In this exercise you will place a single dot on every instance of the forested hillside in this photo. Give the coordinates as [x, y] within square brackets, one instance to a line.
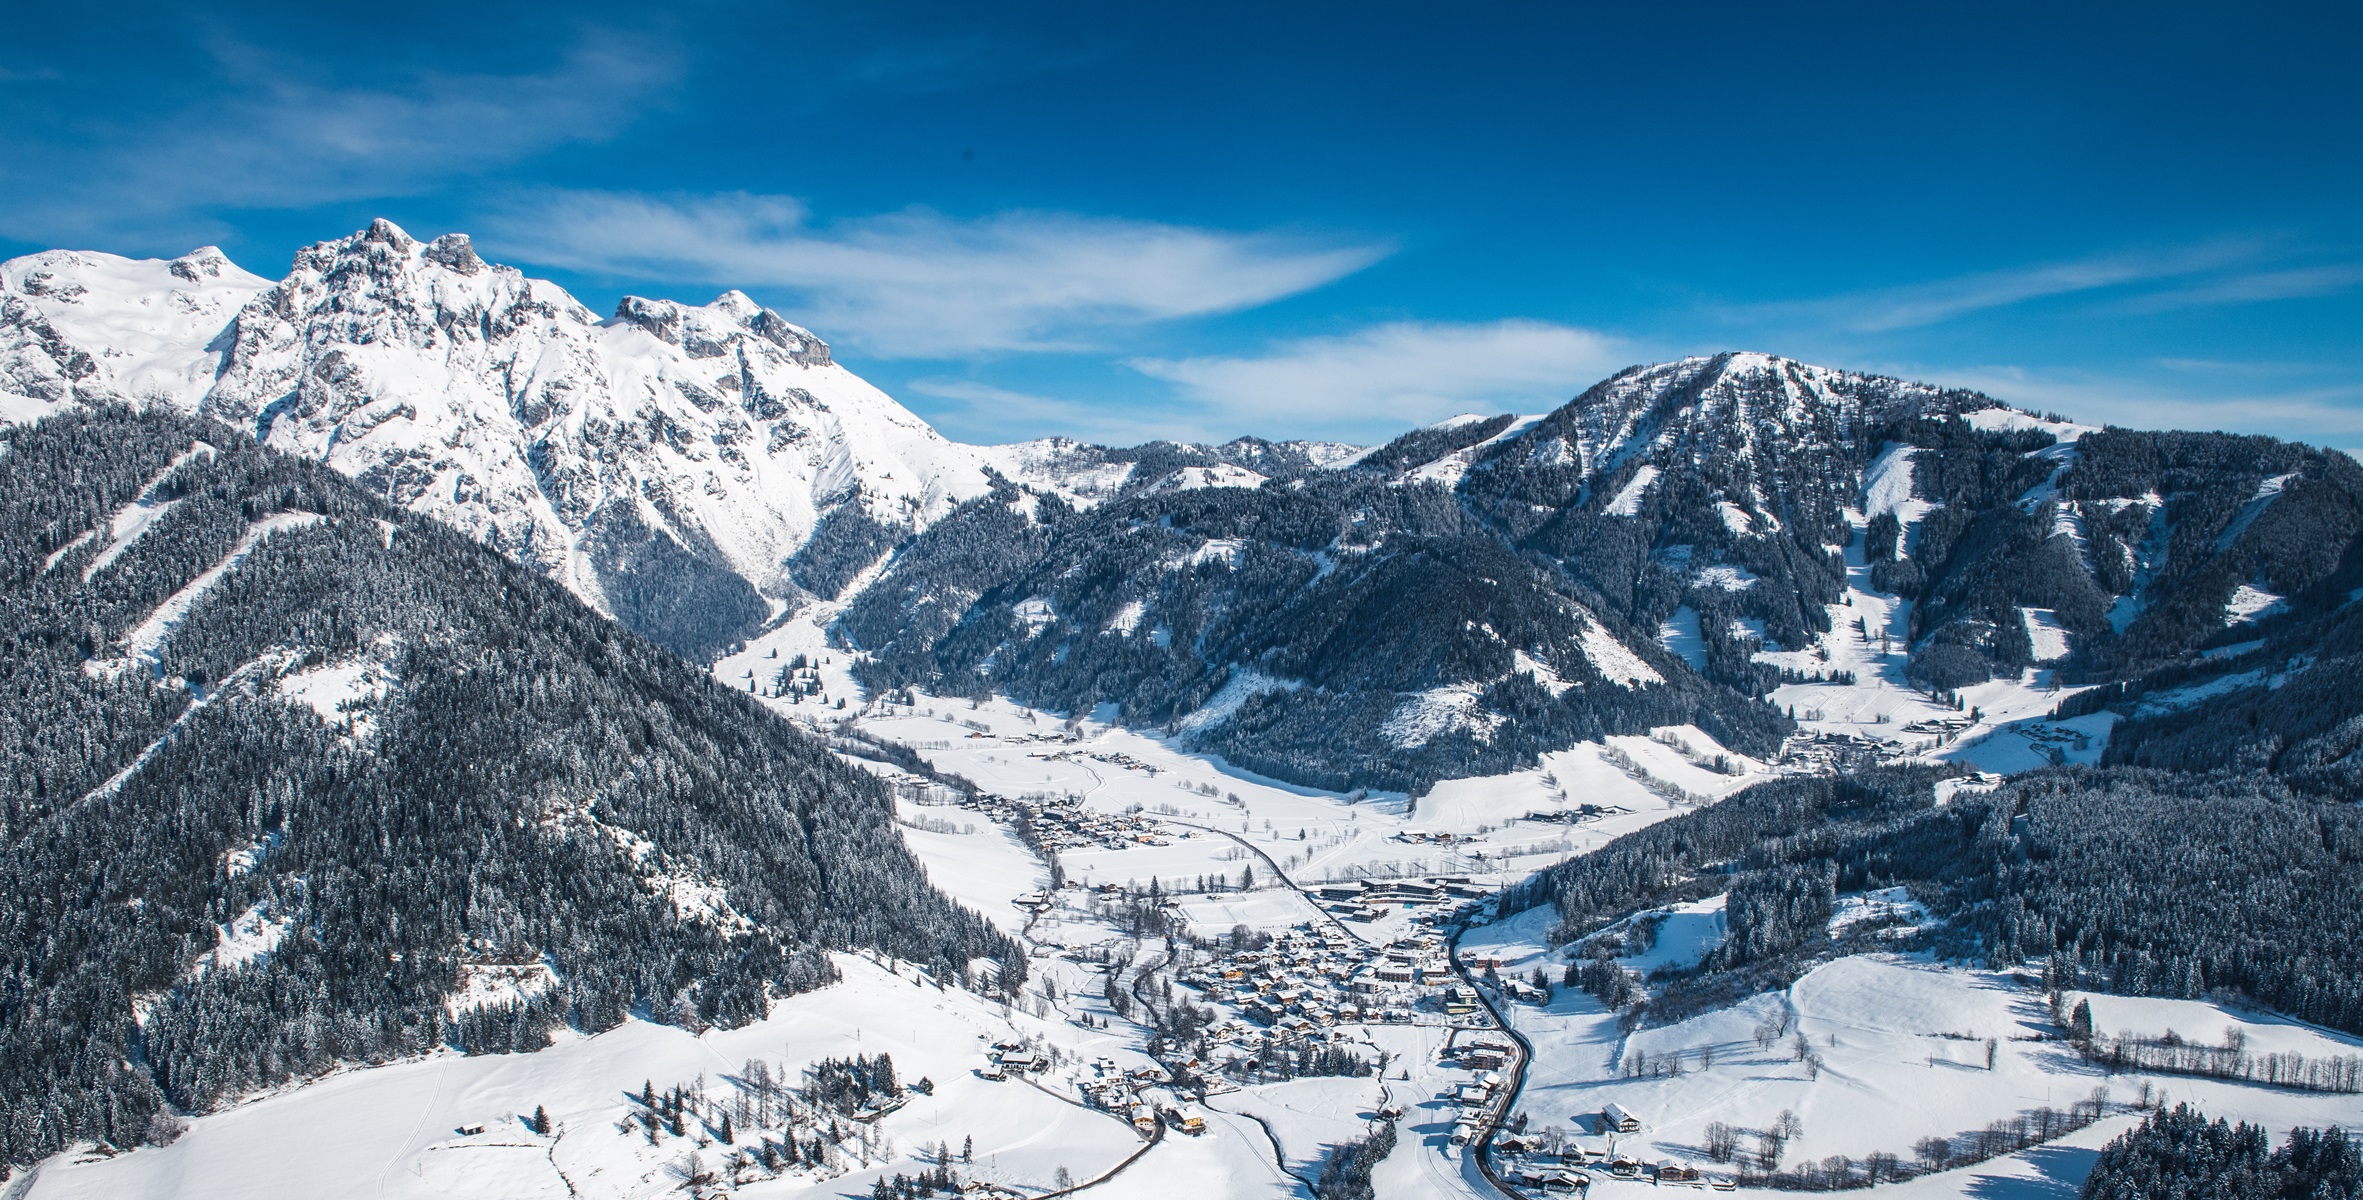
[1473, 593]
[2178, 1152]
[1655, 484]
[2133, 881]
[1346, 627]
[2285, 702]
[295, 777]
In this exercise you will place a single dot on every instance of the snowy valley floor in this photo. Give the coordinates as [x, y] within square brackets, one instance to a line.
[1900, 1042]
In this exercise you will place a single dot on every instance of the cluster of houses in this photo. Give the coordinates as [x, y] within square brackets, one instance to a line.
[1063, 823]
[2054, 741]
[1126, 1093]
[1553, 1163]
[1307, 980]
[1824, 753]
[1431, 897]
[1422, 837]
[978, 730]
[1043, 901]
[1478, 1100]
[1943, 727]
[1564, 1177]
[1113, 758]
[1574, 814]
[1006, 1059]
[1241, 1049]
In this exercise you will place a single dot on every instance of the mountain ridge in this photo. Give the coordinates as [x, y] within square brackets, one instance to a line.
[671, 463]
[1679, 531]
[1479, 591]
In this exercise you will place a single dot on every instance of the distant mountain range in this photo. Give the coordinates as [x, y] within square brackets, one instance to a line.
[1452, 602]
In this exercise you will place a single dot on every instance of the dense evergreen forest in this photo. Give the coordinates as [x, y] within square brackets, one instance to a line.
[283, 768]
[2287, 706]
[2179, 1154]
[2123, 880]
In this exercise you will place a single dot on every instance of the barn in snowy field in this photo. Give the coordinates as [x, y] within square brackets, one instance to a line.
[1619, 1120]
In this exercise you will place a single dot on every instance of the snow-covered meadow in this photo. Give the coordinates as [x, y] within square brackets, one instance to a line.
[395, 1131]
[1871, 1053]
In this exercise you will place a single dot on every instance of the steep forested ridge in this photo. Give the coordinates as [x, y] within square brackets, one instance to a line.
[287, 768]
[1350, 628]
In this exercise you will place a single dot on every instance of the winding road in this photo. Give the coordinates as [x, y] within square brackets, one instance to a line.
[1472, 1173]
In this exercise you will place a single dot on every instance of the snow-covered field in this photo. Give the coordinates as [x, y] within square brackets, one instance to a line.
[1869, 638]
[1897, 1046]
[393, 1131]
[1894, 1050]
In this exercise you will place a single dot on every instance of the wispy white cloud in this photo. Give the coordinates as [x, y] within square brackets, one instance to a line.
[271, 136]
[919, 284]
[1913, 306]
[1371, 383]
[985, 413]
[2253, 287]
[2325, 415]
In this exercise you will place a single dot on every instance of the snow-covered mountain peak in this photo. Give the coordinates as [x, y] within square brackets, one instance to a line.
[1748, 396]
[81, 326]
[1455, 422]
[706, 332]
[1748, 426]
[667, 463]
[670, 464]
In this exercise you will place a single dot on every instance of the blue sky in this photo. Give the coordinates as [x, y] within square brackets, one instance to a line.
[1123, 221]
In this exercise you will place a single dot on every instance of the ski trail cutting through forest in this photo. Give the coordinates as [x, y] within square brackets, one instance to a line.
[147, 637]
[115, 783]
[129, 522]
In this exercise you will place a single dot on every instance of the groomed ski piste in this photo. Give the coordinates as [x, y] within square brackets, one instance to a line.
[1897, 1042]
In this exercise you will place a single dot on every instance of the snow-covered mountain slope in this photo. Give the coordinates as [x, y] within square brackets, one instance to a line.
[691, 470]
[1083, 474]
[1474, 592]
[670, 444]
[1340, 626]
[1750, 412]
[685, 469]
[1722, 493]
[78, 326]
[668, 463]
